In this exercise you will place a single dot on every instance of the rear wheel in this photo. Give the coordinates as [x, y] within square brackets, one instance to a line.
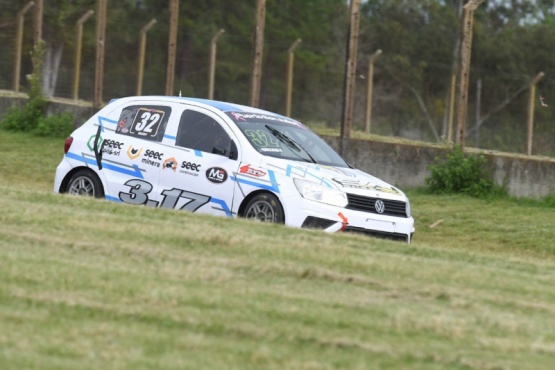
[266, 208]
[85, 183]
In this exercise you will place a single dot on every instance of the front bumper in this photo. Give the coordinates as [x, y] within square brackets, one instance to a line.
[314, 215]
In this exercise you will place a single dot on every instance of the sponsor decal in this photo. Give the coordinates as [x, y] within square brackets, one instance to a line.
[147, 121]
[90, 142]
[386, 190]
[134, 153]
[152, 158]
[170, 163]
[111, 147]
[341, 171]
[216, 175]
[244, 117]
[238, 117]
[153, 154]
[248, 170]
[278, 150]
[190, 168]
[112, 144]
[368, 186]
[121, 126]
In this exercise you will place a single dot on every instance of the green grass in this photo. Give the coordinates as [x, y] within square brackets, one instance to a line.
[88, 284]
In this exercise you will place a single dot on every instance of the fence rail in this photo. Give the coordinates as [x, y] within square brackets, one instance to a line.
[284, 85]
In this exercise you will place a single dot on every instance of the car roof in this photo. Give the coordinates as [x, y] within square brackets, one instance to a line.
[219, 105]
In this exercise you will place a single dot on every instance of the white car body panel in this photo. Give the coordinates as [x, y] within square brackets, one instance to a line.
[140, 170]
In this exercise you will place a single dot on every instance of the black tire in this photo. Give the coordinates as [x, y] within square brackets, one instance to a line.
[265, 207]
[85, 183]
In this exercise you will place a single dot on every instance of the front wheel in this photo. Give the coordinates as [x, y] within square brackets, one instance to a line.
[266, 208]
[85, 183]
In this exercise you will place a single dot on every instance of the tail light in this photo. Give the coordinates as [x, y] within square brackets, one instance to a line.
[67, 144]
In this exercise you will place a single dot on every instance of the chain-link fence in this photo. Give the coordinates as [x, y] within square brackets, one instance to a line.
[402, 107]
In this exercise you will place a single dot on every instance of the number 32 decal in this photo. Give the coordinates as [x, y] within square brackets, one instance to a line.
[147, 121]
[139, 190]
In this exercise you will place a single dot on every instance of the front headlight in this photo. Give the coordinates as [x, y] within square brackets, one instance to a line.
[407, 207]
[319, 193]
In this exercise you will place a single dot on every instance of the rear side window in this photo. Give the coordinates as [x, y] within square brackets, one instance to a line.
[201, 132]
[144, 121]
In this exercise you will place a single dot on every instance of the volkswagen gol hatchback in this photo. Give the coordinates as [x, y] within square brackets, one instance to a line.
[226, 159]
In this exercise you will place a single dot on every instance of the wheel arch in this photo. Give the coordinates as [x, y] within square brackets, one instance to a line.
[69, 175]
[243, 206]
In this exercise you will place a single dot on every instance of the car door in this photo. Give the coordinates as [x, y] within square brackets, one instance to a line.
[196, 173]
[133, 171]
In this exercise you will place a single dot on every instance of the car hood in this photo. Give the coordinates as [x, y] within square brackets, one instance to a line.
[349, 180]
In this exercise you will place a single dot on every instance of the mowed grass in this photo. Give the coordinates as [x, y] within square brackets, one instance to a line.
[88, 284]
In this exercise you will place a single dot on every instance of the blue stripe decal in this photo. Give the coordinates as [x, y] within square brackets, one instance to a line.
[81, 158]
[170, 137]
[274, 187]
[135, 172]
[198, 153]
[113, 199]
[224, 107]
[223, 204]
[100, 119]
[304, 173]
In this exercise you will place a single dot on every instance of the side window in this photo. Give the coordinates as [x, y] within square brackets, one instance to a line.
[144, 121]
[201, 132]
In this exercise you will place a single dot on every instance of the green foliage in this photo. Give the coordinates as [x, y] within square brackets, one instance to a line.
[35, 79]
[31, 117]
[25, 119]
[458, 172]
[57, 125]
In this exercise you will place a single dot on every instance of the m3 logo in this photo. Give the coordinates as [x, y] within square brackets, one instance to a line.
[216, 175]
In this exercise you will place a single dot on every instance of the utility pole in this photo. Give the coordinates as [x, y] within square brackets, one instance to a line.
[78, 47]
[100, 45]
[531, 100]
[478, 112]
[38, 21]
[369, 90]
[258, 52]
[172, 46]
[350, 71]
[451, 112]
[290, 63]
[142, 52]
[212, 69]
[19, 44]
[464, 73]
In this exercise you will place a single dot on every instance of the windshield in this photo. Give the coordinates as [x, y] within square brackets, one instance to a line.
[282, 137]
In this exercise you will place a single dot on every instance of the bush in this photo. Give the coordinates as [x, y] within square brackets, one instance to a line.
[31, 117]
[58, 125]
[26, 119]
[458, 172]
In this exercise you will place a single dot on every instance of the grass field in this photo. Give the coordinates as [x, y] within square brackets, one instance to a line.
[88, 284]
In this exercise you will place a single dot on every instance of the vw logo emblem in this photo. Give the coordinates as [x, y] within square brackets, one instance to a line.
[380, 206]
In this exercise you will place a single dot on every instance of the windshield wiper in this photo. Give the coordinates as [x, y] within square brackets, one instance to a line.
[290, 142]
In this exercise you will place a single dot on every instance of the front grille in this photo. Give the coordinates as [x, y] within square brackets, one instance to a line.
[367, 204]
[317, 223]
[377, 234]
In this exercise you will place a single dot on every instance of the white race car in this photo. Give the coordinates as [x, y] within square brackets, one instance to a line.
[226, 159]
